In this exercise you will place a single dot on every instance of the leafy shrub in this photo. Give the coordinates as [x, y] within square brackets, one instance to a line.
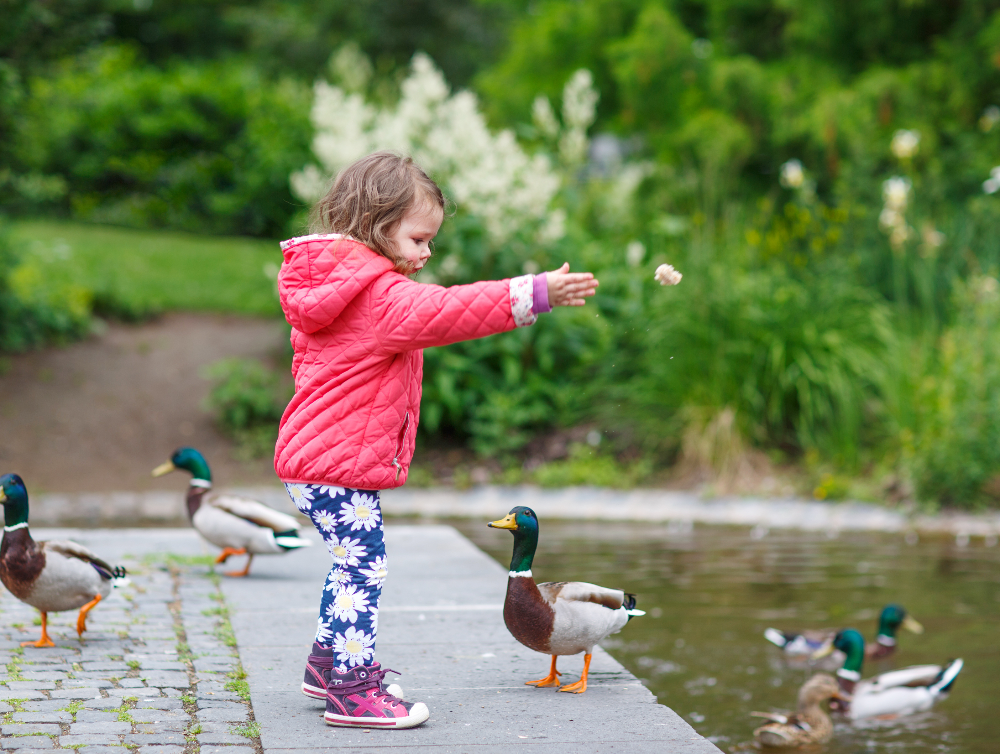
[200, 147]
[585, 466]
[248, 400]
[949, 413]
[33, 310]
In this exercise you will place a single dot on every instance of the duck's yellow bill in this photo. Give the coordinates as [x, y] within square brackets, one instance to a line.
[824, 651]
[507, 522]
[3, 496]
[164, 468]
[911, 624]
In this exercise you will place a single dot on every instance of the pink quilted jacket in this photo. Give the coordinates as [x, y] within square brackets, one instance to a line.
[358, 329]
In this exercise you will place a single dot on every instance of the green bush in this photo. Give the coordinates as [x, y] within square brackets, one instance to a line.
[34, 311]
[947, 406]
[203, 147]
[248, 400]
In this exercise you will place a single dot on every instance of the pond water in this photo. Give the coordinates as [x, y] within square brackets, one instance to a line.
[710, 591]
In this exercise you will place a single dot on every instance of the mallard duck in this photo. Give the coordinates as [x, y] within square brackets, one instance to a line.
[51, 576]
[238, 525]
[898, 692]
[893, 618]
[557, 617]
[809, 725]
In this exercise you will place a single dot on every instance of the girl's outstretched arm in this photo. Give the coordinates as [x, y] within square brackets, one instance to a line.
[570, 288]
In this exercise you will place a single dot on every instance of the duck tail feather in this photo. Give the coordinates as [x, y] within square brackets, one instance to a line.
[291, 543]
[776, 637]
[942, 685]
[629, 605]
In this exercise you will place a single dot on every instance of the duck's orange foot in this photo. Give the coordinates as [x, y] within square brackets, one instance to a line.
[244, 572]
[552, 679]
[580, 686]
[81, 620]
[45, 641]
[227, 551]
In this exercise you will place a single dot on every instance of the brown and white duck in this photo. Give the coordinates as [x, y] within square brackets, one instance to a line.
[238, 525]
[809, 725]
[51, 576]
[557, 617]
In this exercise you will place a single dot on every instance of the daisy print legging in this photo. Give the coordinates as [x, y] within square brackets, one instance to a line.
[350, 523]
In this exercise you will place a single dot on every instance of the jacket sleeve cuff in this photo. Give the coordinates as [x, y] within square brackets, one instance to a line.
[522, 300]
[540, 291]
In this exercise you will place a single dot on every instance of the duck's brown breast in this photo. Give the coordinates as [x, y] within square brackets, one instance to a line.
[20, 562]
[528, 616]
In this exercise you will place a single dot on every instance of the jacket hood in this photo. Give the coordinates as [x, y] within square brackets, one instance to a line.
[322, 275]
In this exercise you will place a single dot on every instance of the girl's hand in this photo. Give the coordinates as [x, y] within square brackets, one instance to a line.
[570, 288]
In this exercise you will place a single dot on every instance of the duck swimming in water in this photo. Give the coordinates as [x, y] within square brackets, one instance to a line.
[557, 617]
[898, 692]
[809, 725]
[805, 643]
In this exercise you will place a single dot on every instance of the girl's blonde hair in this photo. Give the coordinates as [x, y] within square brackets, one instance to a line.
[369, 199]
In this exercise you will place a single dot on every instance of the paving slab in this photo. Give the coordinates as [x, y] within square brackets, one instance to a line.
[441, 626]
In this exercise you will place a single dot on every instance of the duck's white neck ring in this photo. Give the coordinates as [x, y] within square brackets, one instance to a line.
[203, 483]
[849, 675]
[885, 641]
[15, 527]
[520, 574]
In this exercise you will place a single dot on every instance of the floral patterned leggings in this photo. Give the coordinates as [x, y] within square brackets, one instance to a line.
[350, 523]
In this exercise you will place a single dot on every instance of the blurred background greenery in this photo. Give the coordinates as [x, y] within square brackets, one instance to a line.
[820, 172]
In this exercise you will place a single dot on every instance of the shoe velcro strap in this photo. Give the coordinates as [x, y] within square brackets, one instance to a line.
[322, 662]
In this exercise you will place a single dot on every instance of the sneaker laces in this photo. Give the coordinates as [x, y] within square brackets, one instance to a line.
[374, 680]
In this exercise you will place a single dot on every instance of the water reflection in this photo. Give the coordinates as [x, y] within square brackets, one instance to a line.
[710, 592]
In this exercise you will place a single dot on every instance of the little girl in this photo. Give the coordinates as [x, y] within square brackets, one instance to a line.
[358, 327]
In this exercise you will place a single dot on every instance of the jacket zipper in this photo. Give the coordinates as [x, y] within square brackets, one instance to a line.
[399, 444]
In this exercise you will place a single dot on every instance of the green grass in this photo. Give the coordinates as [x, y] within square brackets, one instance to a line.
[155, 270]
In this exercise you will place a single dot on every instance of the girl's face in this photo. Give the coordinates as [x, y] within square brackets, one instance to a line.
[416, 231]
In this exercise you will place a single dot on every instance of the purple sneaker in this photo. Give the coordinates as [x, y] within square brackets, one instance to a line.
[355, 698]
[318, 669]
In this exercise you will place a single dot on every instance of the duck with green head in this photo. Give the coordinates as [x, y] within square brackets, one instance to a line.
[805, 643]
[238, 525]
[898, 692]
[557, 617]
[51, 576]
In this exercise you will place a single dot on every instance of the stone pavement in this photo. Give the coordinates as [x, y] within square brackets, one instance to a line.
[160, 668]
[156, 672]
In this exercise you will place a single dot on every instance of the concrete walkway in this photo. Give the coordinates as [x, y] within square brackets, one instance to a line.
[441, 626]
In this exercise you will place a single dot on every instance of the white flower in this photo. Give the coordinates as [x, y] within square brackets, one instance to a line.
[346, 551]
[579, 107]
[325, 520]
[488, 175]
[666, 275]
[331, 491]
[337, 578]
[360, 512]
[896, 193]
[376, 571]
[905, 144]
[889, 219]
[373, 611]
[634, 253]
[323, 631]
[348, 603]
[301, 495]
[792, 175]
[543, 117]
[354, 646]
[992, 184]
